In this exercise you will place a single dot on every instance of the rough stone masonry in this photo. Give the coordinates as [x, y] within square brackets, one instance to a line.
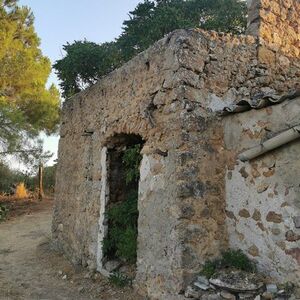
[198, 99]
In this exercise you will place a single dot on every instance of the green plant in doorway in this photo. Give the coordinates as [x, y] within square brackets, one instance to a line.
[131, 161]
[121, 240]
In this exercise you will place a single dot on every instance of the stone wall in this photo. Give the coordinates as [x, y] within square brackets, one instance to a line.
[232, 79]
[146, 97]
[173, 96]
[277, 22]
[121, 103]
[262, 195]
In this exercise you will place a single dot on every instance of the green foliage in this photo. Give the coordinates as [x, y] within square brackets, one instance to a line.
[9, 178]
[209, 268]
[131, 161]
[6, 176]
[238, 260]
[235, 259]
[122, 234]
[127, 244]
[121, 240]
[49, 178]
[120, 280]
[26, 105]
[85, 62]
[151, 20]
[3, 212]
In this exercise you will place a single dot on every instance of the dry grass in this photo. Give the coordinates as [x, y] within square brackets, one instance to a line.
[21, 191]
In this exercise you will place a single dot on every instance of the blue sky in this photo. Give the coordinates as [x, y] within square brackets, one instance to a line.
[61, 21]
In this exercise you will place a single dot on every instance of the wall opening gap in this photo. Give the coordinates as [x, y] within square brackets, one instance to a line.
[121, 211]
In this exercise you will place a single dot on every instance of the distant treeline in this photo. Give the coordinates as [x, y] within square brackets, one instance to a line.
[9, 178]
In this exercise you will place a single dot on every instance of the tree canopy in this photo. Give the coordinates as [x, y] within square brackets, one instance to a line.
[85, 62]
[26, 105]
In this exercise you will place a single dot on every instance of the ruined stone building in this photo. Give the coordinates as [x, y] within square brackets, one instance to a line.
[219, 118]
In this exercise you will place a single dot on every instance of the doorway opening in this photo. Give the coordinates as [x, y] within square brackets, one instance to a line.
[121, 212]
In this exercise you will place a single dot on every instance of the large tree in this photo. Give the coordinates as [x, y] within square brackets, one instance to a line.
[27, 107]
[85, 62]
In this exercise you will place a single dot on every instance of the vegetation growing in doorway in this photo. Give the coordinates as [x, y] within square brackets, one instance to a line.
[121, 240]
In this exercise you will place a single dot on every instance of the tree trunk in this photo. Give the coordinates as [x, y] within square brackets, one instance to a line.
[41, 190]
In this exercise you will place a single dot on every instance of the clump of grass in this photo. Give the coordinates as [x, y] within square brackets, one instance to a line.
[238, 260]
[209, 268]
[234, 259]
[120, 280]
[3, 212]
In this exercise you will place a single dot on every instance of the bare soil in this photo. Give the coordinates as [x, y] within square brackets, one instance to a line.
[31, 270]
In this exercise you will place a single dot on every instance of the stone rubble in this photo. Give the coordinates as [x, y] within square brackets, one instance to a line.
[233, 285]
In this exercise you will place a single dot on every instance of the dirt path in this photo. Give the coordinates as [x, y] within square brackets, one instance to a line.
[31, 270]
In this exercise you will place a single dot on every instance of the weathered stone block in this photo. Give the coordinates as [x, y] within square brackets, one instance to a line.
[191, 189]
[274, 217]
